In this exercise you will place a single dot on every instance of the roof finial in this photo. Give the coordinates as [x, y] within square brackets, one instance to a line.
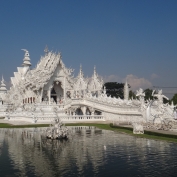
[94, 72]
[126, 91]
[2, 79]
[26, 60]
[3, 85]
[46, 50]
[80, 72]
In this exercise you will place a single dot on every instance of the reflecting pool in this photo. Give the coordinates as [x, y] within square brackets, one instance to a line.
[88, 152]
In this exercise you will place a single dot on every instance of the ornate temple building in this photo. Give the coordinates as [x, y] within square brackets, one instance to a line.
[50, 90]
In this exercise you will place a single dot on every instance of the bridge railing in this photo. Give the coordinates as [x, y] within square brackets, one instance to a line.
[73, 118]
[83, 118]
[65, 118]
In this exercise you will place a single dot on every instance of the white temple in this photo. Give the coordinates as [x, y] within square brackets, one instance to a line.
[50, 90]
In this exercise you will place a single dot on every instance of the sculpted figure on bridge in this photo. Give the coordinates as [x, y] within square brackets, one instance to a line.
[159, 96]
[140, 94]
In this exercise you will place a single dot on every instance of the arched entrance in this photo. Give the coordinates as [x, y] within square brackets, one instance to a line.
[57, 92]
[79, 111]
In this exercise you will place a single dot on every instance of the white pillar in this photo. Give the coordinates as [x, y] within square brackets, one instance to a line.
[83, 108]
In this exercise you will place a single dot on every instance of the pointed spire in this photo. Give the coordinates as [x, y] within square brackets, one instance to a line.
[26, 60]
[80, 67]
[94, 73]
[94, 70]
[2, 81]
[46, 50]
[126, 91]
[3, 86]
[81, 72]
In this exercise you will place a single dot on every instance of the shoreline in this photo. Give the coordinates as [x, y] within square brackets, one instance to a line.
[149, 134]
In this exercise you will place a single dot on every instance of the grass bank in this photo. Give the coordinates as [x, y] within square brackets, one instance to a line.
[129, 130]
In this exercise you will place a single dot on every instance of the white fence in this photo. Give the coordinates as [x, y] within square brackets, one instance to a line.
[73, 118]
[64, 118]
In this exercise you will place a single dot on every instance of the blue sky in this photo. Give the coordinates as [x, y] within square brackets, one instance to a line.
[126, 39]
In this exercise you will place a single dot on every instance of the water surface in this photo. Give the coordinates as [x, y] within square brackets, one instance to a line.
[88, 152]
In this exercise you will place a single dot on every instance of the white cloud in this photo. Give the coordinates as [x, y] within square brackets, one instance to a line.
[137, 83]
[154, 76]
[132, 80]
[112, 78]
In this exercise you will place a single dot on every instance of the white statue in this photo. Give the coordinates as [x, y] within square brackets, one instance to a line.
[138, 128]
[159, 96]
[140, 94]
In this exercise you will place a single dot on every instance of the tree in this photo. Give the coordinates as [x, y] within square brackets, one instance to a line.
[115, 89]
[148, 94]
[174, 99]
[132, 94]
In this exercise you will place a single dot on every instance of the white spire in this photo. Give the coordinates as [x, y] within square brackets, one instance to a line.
[81, 72]
[3, 86]
[126, 91]
[26, 60]
[46, 50]
[80, 68]
[95, 70]
[2, 81]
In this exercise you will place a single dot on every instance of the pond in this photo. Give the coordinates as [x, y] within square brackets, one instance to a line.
[88, 152]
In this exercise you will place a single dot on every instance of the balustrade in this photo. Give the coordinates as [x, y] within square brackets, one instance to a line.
[66, 118]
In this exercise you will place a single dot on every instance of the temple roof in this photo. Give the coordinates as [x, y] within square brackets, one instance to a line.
[80, 82]
[39, 76]
[95, 83]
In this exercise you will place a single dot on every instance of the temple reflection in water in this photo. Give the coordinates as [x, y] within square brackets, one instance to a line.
[27, 151]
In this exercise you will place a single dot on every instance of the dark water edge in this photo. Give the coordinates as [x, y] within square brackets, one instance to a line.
[88, 152]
